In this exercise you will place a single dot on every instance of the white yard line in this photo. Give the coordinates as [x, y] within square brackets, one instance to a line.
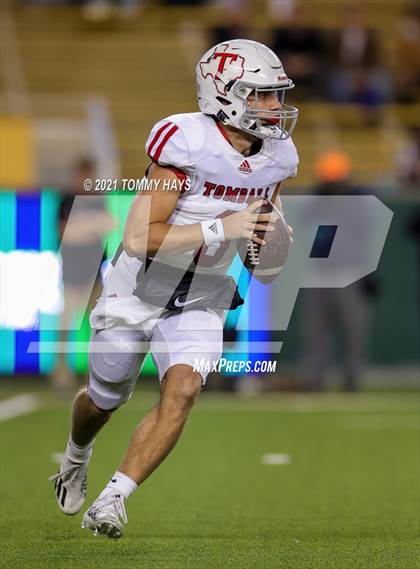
[276, 459]
[19, 405]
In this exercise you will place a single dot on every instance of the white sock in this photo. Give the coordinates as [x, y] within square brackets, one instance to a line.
[119, 484]
[78, 453]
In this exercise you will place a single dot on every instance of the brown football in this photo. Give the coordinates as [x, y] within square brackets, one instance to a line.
[265, 262]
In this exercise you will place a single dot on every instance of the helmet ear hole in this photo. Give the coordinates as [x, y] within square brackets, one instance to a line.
[233, 113]
[222, 117]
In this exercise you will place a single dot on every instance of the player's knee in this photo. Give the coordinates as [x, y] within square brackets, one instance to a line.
[190, 388]
[93, 409]
[113, 373]
[100, 413]
[119, 361]
[184, 384]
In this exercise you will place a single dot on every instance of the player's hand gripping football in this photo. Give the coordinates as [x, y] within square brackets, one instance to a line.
[265, 261]
[245, 223]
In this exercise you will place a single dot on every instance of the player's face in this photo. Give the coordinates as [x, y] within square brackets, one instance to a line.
[265, 101]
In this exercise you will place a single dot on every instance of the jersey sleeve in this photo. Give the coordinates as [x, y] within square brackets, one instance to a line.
[294, 160]
[168, 146]
[293, 172]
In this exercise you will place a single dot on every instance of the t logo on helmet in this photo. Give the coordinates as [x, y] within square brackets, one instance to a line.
[223, 56]
[219, 67]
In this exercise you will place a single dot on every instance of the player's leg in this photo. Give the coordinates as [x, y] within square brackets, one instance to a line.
[176, 344]
[150, 444]
[114, 363]
[87, 419]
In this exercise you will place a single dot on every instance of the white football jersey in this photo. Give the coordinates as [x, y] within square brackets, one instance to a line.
[219, 181]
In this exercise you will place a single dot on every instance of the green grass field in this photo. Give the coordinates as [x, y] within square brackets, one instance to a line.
[348, 498]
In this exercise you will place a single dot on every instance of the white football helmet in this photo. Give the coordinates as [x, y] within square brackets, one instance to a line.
[229, 72]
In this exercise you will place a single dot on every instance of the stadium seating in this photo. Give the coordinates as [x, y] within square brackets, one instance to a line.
[146, 73]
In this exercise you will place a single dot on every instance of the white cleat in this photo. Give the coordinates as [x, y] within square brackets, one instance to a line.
[70, 486]
[106, 516]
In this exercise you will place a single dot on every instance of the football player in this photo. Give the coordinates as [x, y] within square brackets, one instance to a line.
[167, 290]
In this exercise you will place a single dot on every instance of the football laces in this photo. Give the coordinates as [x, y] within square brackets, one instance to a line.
[253, 253]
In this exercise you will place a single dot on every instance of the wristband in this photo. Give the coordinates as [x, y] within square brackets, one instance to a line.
[213, 231]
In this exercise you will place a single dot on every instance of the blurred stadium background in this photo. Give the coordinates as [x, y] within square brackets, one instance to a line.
[85, 81]
[257, 482]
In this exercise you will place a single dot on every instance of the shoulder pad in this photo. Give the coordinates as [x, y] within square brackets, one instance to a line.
[176, 141]
[285, 154]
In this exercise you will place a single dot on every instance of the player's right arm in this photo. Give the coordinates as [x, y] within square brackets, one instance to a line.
[147, 230]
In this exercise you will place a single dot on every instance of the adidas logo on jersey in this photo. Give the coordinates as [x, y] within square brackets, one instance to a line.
[245, 167]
